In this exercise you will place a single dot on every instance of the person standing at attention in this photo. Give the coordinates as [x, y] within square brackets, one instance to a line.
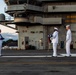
[1, 38]
[68, 40]
[55, 41]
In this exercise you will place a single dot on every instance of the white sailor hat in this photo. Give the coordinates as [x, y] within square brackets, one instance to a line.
[55, 28]
[67, 25]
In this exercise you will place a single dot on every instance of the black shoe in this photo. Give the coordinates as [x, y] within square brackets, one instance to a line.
[54, 56]
[68, 56]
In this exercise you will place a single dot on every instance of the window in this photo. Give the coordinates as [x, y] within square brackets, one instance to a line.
[32, 31]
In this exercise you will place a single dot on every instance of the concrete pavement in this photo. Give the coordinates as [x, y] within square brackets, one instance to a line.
[17, 65]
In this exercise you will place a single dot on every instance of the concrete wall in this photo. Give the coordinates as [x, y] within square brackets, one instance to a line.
[73, 28]
[35, 35]
[62, 34]
[38, 36]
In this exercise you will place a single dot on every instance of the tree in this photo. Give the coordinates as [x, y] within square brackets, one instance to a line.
[10, 42]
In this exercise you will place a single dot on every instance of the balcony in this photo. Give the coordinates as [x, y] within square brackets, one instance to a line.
[33, 8]
[15, 8]
[61, 8]
[45, 21]
[39, 20]
[23, 7]
[49, 21]
[32, 19]
[18, 20]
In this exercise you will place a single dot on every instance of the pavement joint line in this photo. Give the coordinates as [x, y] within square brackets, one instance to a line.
[44, 63]
[35, 56]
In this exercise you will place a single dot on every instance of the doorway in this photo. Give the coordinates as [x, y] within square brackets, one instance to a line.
[26, 42]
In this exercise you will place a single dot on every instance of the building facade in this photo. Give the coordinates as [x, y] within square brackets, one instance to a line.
[35, 20]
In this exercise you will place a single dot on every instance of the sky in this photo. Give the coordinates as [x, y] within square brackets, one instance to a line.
[4, 28]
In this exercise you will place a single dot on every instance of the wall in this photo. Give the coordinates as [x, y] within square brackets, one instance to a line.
[35, 34]
[73, 28]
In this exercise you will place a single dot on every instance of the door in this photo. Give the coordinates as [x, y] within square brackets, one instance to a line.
[26, 42]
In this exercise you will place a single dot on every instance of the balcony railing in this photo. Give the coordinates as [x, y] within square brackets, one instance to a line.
[40, 20]
[24, 7]
[15, 7]
[33, 7]
[48, 21]
[61, 8]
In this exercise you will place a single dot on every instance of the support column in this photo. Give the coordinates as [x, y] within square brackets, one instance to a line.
[45, 37]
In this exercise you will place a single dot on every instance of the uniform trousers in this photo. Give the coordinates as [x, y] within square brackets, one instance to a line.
[54, 49]
[0, 46]
[68, 48]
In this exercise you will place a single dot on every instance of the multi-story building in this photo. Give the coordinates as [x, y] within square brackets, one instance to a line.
[35, 19]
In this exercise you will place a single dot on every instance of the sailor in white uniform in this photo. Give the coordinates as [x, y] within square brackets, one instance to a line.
[55, 41]
[68, 40]
[1, 38]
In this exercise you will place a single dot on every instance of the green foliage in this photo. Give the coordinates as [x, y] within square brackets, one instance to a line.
[9, 42]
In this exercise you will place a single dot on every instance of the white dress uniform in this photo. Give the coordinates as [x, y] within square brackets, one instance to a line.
[68, 42]
[55, 42]
[0, 44]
